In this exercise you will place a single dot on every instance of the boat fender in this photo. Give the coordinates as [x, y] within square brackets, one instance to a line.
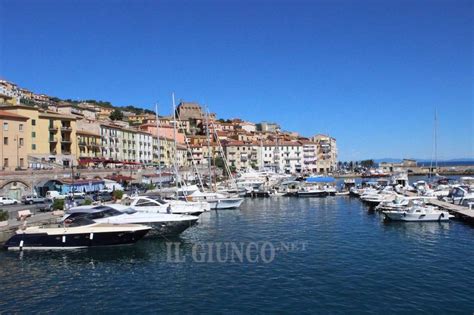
[404, 214]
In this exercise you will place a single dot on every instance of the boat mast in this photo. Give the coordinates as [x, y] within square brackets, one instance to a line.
[434, 154]
[208, 147]
[175, 163]
[436, 139]
[158, 144]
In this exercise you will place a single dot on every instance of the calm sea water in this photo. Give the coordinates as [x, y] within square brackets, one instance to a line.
[345, 260]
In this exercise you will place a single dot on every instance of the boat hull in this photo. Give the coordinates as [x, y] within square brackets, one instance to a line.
[46, 241]
[222, 204]
[411, 217]
[165, 229]
[312, 194]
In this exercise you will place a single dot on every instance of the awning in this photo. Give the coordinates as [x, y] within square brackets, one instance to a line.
[321, 179]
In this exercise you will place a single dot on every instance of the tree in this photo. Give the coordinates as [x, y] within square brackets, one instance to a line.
[116, 115]
[367, 163]
[219, 162]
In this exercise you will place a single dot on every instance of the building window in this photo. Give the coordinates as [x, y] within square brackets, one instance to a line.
[5, 141]
[20, 127]
[5, 162]
[22, 162]
[5, 126]
[22, 142]
[33, 146]
[33, 122]
[33, 134]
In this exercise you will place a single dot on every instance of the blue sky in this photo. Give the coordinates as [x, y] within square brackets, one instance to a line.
[370, 73]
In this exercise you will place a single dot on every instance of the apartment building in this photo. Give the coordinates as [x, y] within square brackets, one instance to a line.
[144, 147]
[326, 160]
[51, 136]
[128, 138]
[291, 156]
[89, 144]
[309, 156]
[265, 126]
[14, 141]
[111, 142]
[10, 90]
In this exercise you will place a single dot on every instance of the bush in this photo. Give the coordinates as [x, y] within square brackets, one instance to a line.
[58, 204]
[3, 215]
[87, 202]
[117, 194]
[150, 186]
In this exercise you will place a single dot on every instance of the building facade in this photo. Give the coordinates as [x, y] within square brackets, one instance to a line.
[14, 144]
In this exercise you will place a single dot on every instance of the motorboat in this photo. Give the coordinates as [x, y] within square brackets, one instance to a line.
[79, 232]
[374, 197]
[312, 191]
[186, 190]
[397, 203]
[162, 224]
[418, 213]
[460, 195]
[216, 200]
[157, 205]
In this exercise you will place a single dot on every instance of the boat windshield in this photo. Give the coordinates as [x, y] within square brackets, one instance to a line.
[159, 200]
[107, 212]
[79, 221]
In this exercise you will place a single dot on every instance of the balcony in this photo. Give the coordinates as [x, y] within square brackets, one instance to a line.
[53, 139]
[66, 140]
[66, 128]
[66, 152]
[53, 128]
[82, 144]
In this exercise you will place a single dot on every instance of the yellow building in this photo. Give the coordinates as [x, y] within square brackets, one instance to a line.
[51, 137]
[13, 141]
[89, 146]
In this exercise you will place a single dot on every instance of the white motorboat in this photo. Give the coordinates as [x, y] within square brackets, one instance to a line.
[80, 232]
[162, 224]
[186, 190]
[158, 205]
[374, 197]
[418, 213]
[460, 195]
[312, 191]
[216, 200]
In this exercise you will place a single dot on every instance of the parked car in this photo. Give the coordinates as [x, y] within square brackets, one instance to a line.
[8, 201]
[103, 196]
[46, 205]
[30, 199]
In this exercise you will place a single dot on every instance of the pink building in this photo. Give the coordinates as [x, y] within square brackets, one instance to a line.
[164, 132]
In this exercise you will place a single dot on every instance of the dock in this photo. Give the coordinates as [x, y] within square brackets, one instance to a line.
[13, 225]
[457, 210]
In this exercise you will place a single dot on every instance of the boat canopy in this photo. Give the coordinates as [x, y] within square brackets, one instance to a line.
[321, 179]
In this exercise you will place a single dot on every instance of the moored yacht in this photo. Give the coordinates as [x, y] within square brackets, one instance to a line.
[216, 200]
[158, 205]
[418, 213]
[80, 232]
[162, 224]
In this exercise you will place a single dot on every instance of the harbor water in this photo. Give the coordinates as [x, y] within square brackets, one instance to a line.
[298, 255]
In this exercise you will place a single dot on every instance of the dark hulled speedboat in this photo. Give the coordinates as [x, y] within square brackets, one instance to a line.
[80, 232]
